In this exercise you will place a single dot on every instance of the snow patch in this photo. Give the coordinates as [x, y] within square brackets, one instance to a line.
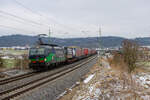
[62, 94]
[88, 78]
[144, 80]
[91, 89]
[6, 57]
[65, 92]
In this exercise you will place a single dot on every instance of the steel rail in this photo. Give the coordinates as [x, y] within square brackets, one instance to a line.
[6, 95]
[15, 78]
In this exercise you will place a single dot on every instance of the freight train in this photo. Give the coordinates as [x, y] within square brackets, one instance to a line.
[48, 55]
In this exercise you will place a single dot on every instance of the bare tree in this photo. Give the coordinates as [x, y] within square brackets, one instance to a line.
[130, 50]
[130, 54]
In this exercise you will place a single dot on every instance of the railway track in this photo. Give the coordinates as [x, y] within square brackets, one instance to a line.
[15, 78]
[14, 92]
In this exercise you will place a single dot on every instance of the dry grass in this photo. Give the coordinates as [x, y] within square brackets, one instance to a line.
[106, 79]
[22, 63]
[117, 63]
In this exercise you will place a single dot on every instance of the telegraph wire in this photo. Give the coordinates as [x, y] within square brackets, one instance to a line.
[48, 18]
[27, 8]
[14, 16]
[13, 28]
[12, 19]
[19, 19]
[16, 20]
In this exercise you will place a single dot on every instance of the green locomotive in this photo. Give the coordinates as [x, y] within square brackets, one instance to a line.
[44, 56]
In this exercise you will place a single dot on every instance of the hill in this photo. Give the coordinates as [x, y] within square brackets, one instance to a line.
[110, 41]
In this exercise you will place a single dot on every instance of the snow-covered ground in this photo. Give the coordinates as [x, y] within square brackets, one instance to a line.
[88, 78]
[106, 83]
[143, 79]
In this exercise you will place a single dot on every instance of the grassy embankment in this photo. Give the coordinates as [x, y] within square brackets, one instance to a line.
[13, 61]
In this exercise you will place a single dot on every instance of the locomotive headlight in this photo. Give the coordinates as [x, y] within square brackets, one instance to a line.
[52, 57]
[45, 59]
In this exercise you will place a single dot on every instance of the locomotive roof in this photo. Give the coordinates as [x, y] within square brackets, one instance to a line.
[58, 47]
[41, 46]
[73, 47]
[49, 45]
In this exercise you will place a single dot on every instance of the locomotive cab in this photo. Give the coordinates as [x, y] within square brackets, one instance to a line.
[40, 57]
[44, 56]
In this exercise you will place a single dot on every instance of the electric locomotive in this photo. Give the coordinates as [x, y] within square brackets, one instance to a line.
[44, 56]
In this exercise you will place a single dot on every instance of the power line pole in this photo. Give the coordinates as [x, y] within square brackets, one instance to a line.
[49, 35]
[99, 39]
[99, 51]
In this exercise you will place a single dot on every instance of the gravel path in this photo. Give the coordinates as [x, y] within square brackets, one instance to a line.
[53, 89]
[35, 77]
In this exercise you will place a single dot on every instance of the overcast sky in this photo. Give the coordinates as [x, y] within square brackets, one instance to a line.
[76, 18]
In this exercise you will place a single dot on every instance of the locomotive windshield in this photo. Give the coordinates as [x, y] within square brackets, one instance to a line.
[37, 51]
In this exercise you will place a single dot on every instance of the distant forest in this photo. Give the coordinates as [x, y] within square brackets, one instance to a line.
[91, 42]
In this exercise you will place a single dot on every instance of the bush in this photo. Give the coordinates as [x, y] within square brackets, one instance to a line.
[117, 58]
[130, 54]
[25, 61]
[17, 63]
[1, 62]
[22, 63]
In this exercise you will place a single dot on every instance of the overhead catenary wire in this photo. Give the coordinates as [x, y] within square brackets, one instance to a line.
[21, 18]
[30, 10]
[18, 21]
[27, 8]
[16, 29]
[13, 17]
[41, 15]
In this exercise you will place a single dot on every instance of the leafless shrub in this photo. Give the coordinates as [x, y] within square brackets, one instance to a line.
[117, 59]
[17, 63]
[125, 61]
[1, 62]
[130, 54]
[25, 61]
[22, 63]
[130, 51]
